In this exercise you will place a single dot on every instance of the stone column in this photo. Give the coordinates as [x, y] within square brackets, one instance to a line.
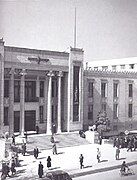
[22, 103]
[49, 104]
[11, 102]
[59, 101]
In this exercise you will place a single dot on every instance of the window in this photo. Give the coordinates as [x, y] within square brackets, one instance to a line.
[16, 91]
[115, 90]
[95, 68]
[30, 91]
[6, 114]
[6, 88]
[115, 111]
[130, 90]
[103, 89]
[113, 68]
[90, 112]
[130, 110]
[41, 88]
[90, 89]
[104, 68]
[122, 66]
[103, 107]
[131, 66]
[41, 114]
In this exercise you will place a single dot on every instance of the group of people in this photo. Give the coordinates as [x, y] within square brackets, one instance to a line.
[126, 142]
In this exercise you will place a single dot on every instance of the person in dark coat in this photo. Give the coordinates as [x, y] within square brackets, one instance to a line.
[23, 149]
[40, 170]
[13, 139]
[49, 162]
[37, 129]
[81, 161]
[36, 152]
[13, 170]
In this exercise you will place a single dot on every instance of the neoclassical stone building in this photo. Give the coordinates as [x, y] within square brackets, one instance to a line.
[47, 88]
[41, 88]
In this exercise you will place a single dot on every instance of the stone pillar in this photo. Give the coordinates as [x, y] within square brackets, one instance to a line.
[49, 104]
[59, 101]
[22, 104]
[11, 102]
[1, 85]
[37, 87]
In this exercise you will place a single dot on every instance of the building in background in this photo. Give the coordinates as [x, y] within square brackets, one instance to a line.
[57, 92]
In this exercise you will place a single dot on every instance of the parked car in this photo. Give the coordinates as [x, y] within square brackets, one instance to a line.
[58, 175]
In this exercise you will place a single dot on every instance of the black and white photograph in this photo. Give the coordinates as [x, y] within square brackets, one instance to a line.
[68, 89]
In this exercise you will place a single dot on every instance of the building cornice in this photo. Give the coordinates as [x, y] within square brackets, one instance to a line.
[113, 74]
[35, 51]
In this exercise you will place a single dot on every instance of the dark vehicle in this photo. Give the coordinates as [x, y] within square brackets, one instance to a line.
[58, 175]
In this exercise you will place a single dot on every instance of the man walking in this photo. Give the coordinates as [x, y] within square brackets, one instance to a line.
[40, 170]
[81, 158]
[117, 153]
[98, 155]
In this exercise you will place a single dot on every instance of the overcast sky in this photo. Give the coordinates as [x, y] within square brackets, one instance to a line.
[106, 29]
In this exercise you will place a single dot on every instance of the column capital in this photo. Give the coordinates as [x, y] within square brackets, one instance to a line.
[60, 74]
[50, 74]
[23, 72]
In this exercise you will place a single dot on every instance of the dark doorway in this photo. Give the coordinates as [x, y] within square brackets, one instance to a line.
[30, 120]
[16, 121]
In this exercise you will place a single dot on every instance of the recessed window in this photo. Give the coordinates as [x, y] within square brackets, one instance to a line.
[131, 66]
[90, 112]
[6, 88]
[90, 89]
[6, 114]
[122, 66]
[41, 114]
[41, 88]
[130, 90]
[130, 107]
[104, 68]
[115, 90]
[103, 89]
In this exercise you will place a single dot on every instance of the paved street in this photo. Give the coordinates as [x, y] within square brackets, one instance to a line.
[68, 159]
[109, 175]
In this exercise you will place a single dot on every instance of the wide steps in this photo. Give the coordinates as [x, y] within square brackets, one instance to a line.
[62, 140]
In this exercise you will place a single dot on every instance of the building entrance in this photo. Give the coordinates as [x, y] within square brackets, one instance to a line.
[30, 120]
[16, 121]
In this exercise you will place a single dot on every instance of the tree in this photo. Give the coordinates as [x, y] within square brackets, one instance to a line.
[102, 122]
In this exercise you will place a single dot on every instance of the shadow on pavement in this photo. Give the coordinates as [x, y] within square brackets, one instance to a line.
[103, 161]
[87, 167]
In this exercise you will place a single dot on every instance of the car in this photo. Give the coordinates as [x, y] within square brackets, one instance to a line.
[58, 175]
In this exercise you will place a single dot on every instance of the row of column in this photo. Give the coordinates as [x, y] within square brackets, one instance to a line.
[22, 102]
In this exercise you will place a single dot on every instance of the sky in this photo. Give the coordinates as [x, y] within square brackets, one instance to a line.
[106, 29]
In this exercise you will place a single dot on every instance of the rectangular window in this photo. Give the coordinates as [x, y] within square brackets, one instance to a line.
[90, 112]
[104, 68]
[41, 88]
[115, 111]
[16, 91]
[114, 68]
[130, 106]
[115, 90]
[104, 107]
[130, 90]
[96, 68]
[30, 91]
[103, 89]
[6, 88]
[131, 66]
[41, 114]
[90, 89]
[122, 66]
[6, 114]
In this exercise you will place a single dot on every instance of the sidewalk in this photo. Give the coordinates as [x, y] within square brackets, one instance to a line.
[68, 160]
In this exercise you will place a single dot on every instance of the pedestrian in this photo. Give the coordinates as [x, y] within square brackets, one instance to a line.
[5, 171]
[37, 129]
[17, 159]
[114, 142]
[81, 158]
[117, 153]
[13, 139]
[54, 148]
[100, 139]
[36, 152]
[49, 162]
[13, 170]
[98, 155]
[23, 149]
[52, 139]
[40, 170]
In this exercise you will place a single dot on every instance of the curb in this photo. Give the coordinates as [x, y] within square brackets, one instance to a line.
[99, 170]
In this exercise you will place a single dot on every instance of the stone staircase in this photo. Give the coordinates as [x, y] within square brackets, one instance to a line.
[42, 141]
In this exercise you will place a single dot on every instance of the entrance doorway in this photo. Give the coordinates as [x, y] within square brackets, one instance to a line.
[16, 121]
[30, 120]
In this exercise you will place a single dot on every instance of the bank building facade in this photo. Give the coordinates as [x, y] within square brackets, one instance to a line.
[48, 88]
